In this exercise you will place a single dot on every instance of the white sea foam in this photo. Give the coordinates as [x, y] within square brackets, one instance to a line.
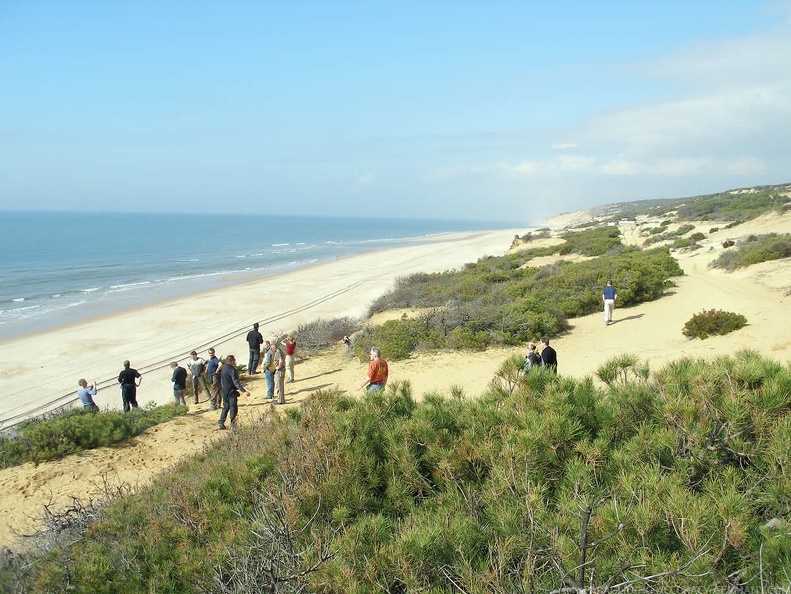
[91, 290]
[18, 299]
[130, 285]
[16, 310]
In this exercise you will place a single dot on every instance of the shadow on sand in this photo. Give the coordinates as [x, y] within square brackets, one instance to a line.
[634, 317]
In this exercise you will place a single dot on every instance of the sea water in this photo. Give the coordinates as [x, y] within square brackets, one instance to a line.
[64, 267]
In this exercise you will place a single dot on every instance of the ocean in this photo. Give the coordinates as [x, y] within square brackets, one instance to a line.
[65, 267]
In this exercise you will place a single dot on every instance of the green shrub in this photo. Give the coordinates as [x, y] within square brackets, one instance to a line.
[396, 339]
[542, 483]
[713, 322]
[755, 249]
[76, 430]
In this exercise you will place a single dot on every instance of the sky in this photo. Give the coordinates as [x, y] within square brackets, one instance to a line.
[504, 110]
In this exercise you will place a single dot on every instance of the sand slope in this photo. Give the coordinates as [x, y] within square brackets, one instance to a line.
[650, 330]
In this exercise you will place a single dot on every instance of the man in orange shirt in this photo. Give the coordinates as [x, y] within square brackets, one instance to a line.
[377, 372]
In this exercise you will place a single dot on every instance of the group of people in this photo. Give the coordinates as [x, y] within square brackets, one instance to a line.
[547, 357]
[278, 365]
[221, 382]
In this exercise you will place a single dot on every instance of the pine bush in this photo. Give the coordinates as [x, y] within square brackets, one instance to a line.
[713, 322]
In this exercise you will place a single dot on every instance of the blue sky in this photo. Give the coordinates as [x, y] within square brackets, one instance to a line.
[498, 110]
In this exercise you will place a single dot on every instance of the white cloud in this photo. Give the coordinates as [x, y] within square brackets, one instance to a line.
[366, 179]
[559, 146]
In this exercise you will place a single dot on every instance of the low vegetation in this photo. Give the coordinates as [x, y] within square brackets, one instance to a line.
[674, 481]
[755, 249]
[316, 336]
[713, 323]
[73, 431]
[658, 234]
[733, 205]
[505, 301]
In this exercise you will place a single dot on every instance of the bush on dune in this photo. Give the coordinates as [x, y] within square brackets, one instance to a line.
[502, 301]
[712, 323]
[675, 481]
[75, 430]
[755, 249]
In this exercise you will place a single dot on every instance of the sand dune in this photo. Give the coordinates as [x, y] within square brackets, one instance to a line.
[650, 330]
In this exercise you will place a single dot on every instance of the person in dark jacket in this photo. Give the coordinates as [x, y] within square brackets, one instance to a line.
[255, 339]
[130, 379]
[229, 379]
[549, 358]
[179, 379]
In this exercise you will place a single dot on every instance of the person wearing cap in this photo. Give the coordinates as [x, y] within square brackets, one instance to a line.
[377, 372]
[130, 379]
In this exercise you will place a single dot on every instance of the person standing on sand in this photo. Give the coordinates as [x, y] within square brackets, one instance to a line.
[130, 379]
[229, 378]
[377, 372]
[609, 295]
[255, 339]
[279, 361]
[179, 379]
[215, 388]
[291, 347]
[86, 394]
[269, 370]
[197, 369]
[549, 358]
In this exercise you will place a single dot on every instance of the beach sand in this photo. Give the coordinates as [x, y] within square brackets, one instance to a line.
[650, 330]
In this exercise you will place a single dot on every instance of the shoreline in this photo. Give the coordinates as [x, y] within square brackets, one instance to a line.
[42, 367]
[154, 290]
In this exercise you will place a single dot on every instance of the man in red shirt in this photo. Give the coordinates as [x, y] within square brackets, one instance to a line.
[377, 372]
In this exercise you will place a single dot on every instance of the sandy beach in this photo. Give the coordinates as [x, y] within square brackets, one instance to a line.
[42, 366]
[41, 370]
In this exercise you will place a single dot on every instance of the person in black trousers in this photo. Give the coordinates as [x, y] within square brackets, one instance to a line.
[229, 380]
[129, 379]
[255, 340]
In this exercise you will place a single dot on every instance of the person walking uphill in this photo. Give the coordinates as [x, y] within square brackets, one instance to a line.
[197, 368]
[549, 358]
[255, 339]
[609, 295]
[130, 379]
[377, 372]
[229, 378]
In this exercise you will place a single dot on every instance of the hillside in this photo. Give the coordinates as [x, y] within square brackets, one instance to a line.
[650, 330]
